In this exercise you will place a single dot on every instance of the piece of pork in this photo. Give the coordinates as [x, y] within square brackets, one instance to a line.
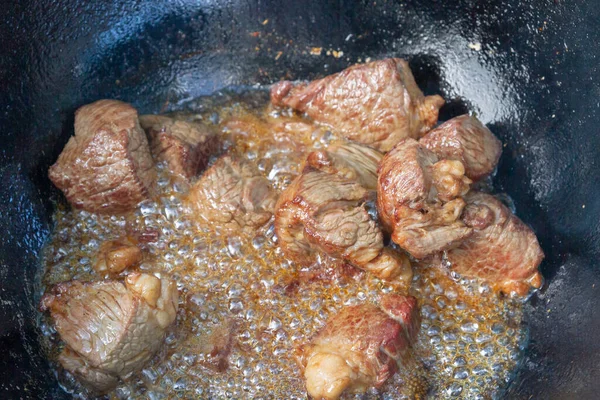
[232, 194]
[111, 329]
[360, 347]
[352, 161]
[419, 199]
[115, 256]
[467, 140]
[106, 167]
[186, 147]
[377, 103]
[322, 212]
[502, 250]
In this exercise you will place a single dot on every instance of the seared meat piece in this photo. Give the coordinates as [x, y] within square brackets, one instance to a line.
[115, 256]
[106, 167]
[467, 140]
[352, 161]
[377, 103]
[185, 146]
[110, 329]
[419, 199]
[326, 212]
[502, 250]
[232, 193]
[360, 347]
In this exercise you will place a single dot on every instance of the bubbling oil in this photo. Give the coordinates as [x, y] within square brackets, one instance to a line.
[470, 343]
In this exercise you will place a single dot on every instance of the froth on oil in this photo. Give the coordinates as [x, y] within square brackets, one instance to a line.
[238, 288]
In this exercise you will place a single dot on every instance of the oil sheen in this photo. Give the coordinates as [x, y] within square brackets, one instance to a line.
[470, 343]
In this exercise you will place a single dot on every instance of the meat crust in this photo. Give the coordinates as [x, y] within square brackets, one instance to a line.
[106, 167]
[467, 140]
[376, 103]
[186, 147]
[324, 211]
[502, 250]
[111, 329]
[419, 199]
[360, 347]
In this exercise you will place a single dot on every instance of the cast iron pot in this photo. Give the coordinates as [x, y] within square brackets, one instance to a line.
[527, 68]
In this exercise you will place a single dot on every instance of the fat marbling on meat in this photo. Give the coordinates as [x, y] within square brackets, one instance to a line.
[106, 167]
[502, 250]
[232, 194]
[111, 329]
[376, 103]
[185, 146]
[419, 199]
[115, 256]
[467, 140]
[360, 347]
[323, 210]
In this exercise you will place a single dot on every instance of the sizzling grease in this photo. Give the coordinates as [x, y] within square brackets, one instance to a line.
[470, 343]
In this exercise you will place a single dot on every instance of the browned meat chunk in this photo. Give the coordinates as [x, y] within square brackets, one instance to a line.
[106, 167]
[502, 250]
[110, 329]
[326, 212]
[185, 146]
[352, 161]
[377, 103]
[115, 256]
[419, 199]
[467, 140]
[360, 347]
[233, 194]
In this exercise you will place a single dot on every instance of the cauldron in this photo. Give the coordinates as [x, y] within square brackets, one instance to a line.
[526, 68]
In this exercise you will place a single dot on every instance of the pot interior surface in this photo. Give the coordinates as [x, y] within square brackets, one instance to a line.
[527, 69]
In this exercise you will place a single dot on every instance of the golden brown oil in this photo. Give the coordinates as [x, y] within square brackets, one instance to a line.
[470, 343]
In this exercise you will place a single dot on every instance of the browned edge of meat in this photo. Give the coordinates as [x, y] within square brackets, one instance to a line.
[376, 103]
[419, 199]
[404, 310]
[185, 146]
[232, 194]
[360, 347]
[106, 167]
[467, 140]
[502, 250]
